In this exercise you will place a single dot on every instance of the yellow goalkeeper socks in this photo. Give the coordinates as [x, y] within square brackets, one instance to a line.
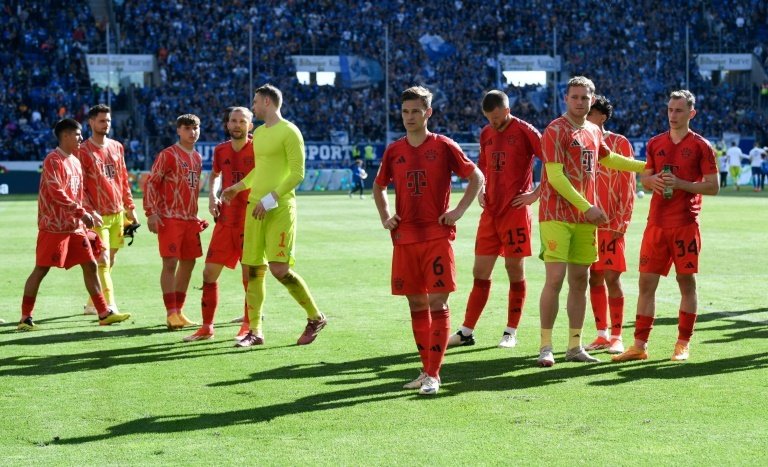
[300, 292]
[254, 296]
[105, 276]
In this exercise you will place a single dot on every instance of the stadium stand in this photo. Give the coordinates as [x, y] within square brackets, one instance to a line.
[633, 50]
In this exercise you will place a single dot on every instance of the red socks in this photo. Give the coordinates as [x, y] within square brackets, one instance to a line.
[516, 302]
[420, 322]
[616, 306]
[169, 299]
[180, 298]
[100, 304]
[478, 297]
[209, 302]
[439, 332]
[643, 326]
[27, 305]
[599, 299]
[685, 323]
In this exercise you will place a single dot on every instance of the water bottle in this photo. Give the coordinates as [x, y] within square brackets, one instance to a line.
[668, 191]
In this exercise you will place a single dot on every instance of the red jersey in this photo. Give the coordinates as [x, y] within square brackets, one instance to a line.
[59, 204]
[422, 179]
[506, 160]
[233, 166]
[616, 189]
[173, 184]
[690, 160]
[577, 148]
[107, 190]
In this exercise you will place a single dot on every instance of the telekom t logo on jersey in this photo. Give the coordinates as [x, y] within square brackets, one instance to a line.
[417, 179]
[587, 159]
[192, 177]
[499, 160]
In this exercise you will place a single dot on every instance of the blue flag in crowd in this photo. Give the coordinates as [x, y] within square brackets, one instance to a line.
[436, 47]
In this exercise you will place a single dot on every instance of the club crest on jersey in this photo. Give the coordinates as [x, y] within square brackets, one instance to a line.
[552, 245]
[511, 140]
[430, 155]
[687, 152]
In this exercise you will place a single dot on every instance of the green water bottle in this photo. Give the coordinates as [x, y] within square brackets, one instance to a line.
[668, 191]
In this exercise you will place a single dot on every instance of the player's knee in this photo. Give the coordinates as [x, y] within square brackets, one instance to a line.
[515, 271]
[279, 270]
[89, 267]
[596, 279]
[169, 264]
[418, 302]
[40, 271]
[687, 283]
[438, 303]
[256, 272]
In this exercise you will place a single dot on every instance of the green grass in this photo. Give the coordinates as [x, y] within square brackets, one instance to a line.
[74, 393]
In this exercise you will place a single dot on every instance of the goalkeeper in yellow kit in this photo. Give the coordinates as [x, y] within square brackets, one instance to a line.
[270, 227]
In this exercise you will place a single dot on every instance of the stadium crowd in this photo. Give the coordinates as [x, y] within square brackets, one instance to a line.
[634, 51]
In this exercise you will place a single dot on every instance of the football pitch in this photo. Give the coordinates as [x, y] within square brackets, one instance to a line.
[75, 393]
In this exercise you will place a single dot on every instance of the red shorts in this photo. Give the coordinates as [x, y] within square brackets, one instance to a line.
[662, 247]
[179, 239]
[63, 250]
[508, 235]
[610, 252]
[226, 246]
[423, 268]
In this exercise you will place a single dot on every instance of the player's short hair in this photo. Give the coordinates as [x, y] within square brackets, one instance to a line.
[495, 99]
[580, 81]
[272, 92]
[97, 109]
[690, 99]
[244, 110]
[187, 120]
[603, 105]
[66, 125]
[417, 93]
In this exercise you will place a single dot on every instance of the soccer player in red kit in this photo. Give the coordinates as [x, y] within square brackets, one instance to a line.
[232, 160]
[616, 197]
[681, 166]
[507, 147]
[108, 192]
[422, 228]
[170, 204]
[62, 241]
[569, 215]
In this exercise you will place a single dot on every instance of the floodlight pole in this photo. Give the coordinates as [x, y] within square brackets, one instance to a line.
[687, 60]
[554, 73]
[250, 63]
[109, 69]
[386, 84]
